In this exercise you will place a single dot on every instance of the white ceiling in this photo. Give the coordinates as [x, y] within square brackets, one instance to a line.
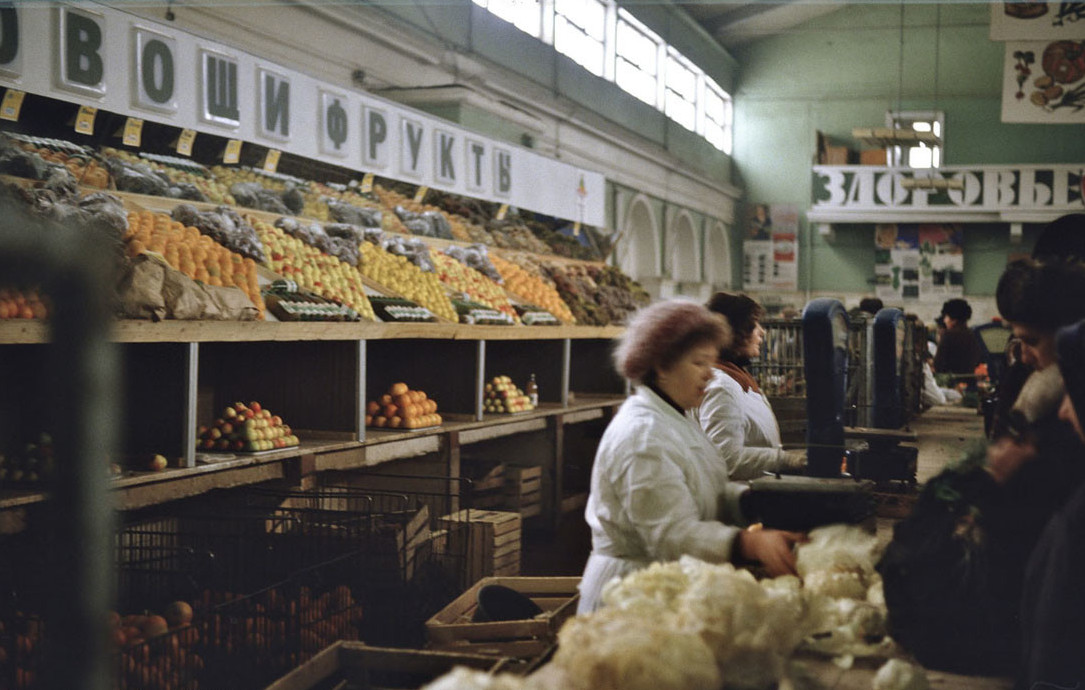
[734, 23]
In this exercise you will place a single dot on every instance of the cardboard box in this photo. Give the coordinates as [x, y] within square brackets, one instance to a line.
[873, 157]
[452, 629]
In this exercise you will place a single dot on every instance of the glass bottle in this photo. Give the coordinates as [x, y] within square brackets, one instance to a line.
[532, 390]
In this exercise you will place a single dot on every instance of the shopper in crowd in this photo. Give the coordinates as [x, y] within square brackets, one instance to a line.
[735, 414]
[658, 489]
[959, 351]
[1053, 605]
[871, 305]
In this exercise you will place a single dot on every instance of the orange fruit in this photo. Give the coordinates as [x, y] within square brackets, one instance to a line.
[398, 388]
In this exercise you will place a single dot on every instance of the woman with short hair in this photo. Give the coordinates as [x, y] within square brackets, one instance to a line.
[735, 414]
[658, 490]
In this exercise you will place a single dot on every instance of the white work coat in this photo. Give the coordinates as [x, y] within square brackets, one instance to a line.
[658, 491]
[742, 426]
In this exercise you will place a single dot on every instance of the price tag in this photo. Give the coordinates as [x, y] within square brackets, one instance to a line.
[133, 131]
[502, 212]
[233, 151]
[367, 183]
[272, 160]
[12, 104]
[576, 229]
[84, 121]
[420, 194]
[185, 141]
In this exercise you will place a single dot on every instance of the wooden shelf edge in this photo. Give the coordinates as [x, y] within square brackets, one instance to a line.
[33, 331]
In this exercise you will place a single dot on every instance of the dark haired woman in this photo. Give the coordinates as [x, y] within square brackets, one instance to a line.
[735, 414]
[658, 491]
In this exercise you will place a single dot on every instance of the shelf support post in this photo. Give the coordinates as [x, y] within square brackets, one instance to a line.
[566, 365]
[480, 377]
[192, 378]
[359, 422]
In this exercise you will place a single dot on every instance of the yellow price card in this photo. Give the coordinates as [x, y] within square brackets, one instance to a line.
[271, 162]
[502, 211]
[84, 121]
[12, 104]
[185, 141]
[133, 131]
[233, 151]
[420, 194]
[576, 228]
[367, 183]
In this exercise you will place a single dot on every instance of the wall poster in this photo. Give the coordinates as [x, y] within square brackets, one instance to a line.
[918, 262]
[1015, 21]
[1044, 81]
[770, 255]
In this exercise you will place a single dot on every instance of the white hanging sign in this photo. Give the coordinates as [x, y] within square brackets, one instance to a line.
[98, 56]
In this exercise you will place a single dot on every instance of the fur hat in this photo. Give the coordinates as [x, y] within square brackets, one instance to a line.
[658, 335]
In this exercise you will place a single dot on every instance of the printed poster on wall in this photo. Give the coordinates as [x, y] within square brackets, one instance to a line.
[918, 262]
[770, 249]
[1044, 81]
[1015, 21]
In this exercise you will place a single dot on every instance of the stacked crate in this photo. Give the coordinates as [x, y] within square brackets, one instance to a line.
[494, 541]
[523, 490]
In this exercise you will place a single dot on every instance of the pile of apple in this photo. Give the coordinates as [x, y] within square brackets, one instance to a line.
[247, 428]
[402, 408]
[503, 396]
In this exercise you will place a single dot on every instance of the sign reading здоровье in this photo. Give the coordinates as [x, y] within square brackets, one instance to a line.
[989, 193]
[96, 55]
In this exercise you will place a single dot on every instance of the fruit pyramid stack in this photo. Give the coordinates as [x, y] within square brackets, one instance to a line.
[503, 396]
[402, 408]
[246, 428]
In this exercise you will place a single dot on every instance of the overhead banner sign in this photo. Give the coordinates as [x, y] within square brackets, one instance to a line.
[1013, 21]
[1053, 189]
[100, 57]
[1044, 82]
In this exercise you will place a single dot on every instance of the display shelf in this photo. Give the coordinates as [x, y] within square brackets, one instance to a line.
[32, 331]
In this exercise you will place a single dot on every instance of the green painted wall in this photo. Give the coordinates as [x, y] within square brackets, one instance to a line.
[844, 70]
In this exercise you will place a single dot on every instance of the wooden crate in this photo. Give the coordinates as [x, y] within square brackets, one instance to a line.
[494, 541]
[523, 490]
[452, 629]
[351, 663]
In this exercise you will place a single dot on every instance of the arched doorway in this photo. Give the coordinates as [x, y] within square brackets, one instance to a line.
[685, 262]
[717, 266]
[638, 254]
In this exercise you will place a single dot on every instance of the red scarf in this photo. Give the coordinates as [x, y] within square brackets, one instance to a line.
[740, 375]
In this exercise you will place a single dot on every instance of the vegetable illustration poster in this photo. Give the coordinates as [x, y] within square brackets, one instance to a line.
[770, 249]
[1044, 81]
[918, 262]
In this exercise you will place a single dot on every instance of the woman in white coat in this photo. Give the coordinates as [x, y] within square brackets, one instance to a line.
[735, 414]
[658, 490]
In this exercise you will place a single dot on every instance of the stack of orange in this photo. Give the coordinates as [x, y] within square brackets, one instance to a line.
[197, 256]
[531, 288]
[477, 286]
[402, 408]
[18, 305]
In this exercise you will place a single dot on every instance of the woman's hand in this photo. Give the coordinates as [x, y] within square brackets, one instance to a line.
[771, 548]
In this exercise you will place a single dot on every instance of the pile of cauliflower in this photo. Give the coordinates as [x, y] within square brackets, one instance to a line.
[692, 625]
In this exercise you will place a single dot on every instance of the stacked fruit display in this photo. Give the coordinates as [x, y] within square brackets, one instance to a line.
[78, 160]
[246, 428]
[313, 270]
[179, 170]
[502, 396]
[402, 408]
[406, 279]
[197, 256]
[476, 286]
[532, 289]
[31, 464]
[22, 305]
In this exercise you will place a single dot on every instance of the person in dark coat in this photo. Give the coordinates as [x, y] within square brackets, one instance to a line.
[959, 351]
[1053, 603]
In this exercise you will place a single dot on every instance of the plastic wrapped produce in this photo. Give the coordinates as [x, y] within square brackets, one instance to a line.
[311, 234]
[137, 178]
[476, 257]
[344, 249]
[16, 162]
[345, 231]
[427, 223]
[414, 250]
[293, 198]
[344, 212]
[225, 226]
[254, 195]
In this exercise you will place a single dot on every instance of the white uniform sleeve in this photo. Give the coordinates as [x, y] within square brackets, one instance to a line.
[722, 418]
[661, 508]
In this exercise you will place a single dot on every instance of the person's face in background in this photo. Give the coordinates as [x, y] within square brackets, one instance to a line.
[752, 348]
[1037, 345]
[1069, 415]
[685, 380]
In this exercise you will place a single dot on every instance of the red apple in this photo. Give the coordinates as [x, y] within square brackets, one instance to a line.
[254, 406]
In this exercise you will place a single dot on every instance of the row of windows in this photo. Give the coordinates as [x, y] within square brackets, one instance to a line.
[608, 42]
